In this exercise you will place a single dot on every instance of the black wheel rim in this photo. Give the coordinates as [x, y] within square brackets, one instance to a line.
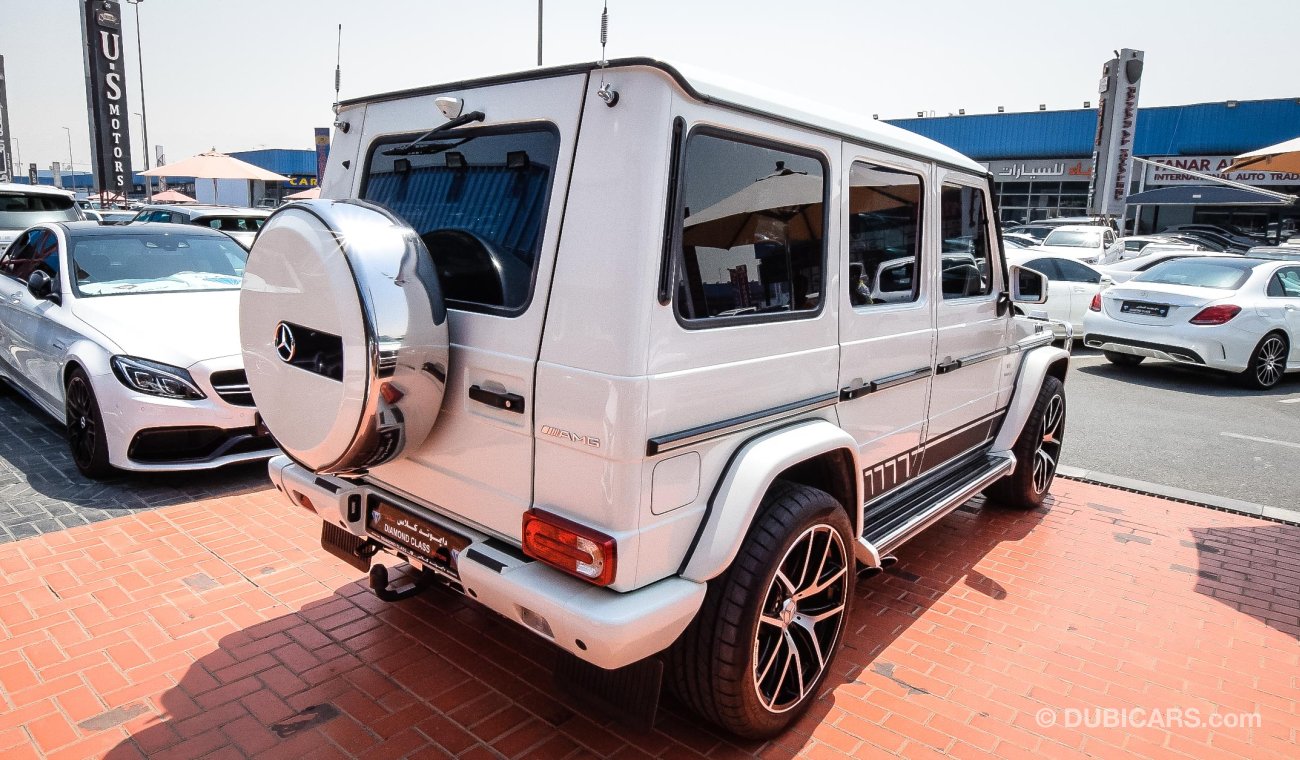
[801, 618]
[1048, 452]
[83, 433]
[1270, 362]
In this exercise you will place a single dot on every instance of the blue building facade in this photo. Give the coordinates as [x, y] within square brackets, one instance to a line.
[1041, 161]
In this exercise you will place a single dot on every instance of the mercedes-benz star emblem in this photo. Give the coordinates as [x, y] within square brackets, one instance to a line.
[285, 345]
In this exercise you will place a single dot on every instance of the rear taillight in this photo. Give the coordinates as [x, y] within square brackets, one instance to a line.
[1216, 315]
[1096, 303]
[565, 545]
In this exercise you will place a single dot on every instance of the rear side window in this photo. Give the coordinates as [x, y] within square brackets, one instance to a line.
[884, 235]
[1073, 271]
[967, 257]
[1285, 284]
[478, 200]
[750, 232]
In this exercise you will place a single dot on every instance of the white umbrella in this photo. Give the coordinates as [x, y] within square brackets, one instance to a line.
[792, 200]
[1283, 157]
[214, 166]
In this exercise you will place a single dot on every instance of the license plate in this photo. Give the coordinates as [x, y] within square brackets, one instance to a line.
[1143, 309]
[425, 540]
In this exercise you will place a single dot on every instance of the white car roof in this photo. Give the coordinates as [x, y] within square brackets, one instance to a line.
[740, 94]
[15, 187]
[1081, 228]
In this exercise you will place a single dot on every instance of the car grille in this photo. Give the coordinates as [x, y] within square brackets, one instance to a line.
[232, 386]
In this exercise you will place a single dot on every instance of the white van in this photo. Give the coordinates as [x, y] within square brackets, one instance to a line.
[582, 344]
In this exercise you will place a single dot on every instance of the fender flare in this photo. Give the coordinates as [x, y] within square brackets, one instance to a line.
[736, 500]
[1037, 364]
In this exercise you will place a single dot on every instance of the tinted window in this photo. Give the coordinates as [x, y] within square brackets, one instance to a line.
[1073, 271]
[478, 200]
[19, 210]
[751, 232]
[1285, 284]
[967, 263]
[884, 235]
[231, 223]
[17, 258]
[1046, 266]
[1217, 273]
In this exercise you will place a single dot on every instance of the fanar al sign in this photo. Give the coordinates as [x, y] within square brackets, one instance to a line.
[101, 34]
[1168, 174]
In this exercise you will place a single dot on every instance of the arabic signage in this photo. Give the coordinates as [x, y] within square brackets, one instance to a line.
[322, 135]
[1068, 169]
[110, 139]
[6, 162]
[1112, 150]
[1214, 166]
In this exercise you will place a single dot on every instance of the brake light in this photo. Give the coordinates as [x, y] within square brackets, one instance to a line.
[1096, 302]
[1216, 315]
[565, 545]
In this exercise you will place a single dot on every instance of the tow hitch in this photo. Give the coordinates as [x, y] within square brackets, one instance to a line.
[414, 585]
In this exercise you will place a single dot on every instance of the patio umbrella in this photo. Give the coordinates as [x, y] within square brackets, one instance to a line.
[214, 166]
[1283, 157]
[172, 196]
[787, 203]
[303, 195]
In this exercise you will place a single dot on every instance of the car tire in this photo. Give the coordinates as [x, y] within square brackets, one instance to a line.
[1267, 363]
[1037, 450]
[724, 666]
[86, 436]
[1123, 360]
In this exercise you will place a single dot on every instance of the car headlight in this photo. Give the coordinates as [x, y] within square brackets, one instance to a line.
[154, 378]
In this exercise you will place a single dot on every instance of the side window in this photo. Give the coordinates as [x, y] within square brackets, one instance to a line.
[1073, 271]
[1285, 284]
[1047, 267]
[40, 252]
[884, 235]
[46, 257]
[751, 230]
[967, 257]
[19, 255]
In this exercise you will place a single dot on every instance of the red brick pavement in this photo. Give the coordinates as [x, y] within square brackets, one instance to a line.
[220, 629]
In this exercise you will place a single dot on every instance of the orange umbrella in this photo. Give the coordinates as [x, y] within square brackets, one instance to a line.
[172, 196]
[303, 195]
[214, 166]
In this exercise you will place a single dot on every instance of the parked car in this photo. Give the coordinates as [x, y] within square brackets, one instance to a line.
[696, 483]
[1134, 246]
[241, 224]
[1035, 231]
[116, 217]
[1235, 314]
[1020, 240]
[1086, 221]
[21, 206]
[1225, 244]
[1088, 244]
[130, 336]
[1071, 286]
[1123, 271]
[1233, 233]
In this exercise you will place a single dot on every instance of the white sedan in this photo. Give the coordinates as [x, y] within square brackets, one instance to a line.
[1229, 313]
[1087, 243]
[1123, 271]
[131, 336]
[1071, 286]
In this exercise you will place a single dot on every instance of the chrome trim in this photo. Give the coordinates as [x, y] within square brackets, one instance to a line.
[681, 439]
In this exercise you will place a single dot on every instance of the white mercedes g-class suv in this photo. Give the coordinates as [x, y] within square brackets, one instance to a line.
[595, 347]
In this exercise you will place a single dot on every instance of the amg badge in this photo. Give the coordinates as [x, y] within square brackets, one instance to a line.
[565, 435]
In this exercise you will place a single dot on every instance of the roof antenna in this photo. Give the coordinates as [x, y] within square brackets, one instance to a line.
[339, 124]
[606, 92]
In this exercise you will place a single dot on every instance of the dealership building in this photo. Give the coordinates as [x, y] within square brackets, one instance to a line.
[1041, 161]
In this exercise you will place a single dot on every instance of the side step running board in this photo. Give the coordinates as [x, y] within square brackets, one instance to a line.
[920, 506]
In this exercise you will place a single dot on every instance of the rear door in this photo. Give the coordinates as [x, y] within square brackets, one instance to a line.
[1082, 282]
[1284, 290]
[887, 331]
[487, 200]
[971, 325]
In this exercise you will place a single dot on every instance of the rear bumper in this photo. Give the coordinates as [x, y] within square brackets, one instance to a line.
[1143, 348]
[606, 628]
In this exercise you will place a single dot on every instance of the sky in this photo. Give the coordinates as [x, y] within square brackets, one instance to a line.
[246, 74]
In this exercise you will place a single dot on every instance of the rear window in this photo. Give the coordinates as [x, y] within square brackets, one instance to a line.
[1225, 274]
[18, 211]
[478, 200]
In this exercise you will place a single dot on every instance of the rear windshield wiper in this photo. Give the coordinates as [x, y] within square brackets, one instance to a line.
[459, 121]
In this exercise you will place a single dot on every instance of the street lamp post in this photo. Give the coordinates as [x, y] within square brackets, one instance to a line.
[72, 172]
[144, 123]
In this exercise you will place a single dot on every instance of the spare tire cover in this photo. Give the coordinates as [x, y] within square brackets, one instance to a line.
[344, 334]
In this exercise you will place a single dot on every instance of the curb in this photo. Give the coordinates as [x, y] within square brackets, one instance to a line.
[1220, 503]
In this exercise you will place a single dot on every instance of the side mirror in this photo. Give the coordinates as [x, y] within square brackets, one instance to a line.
[1028, 285]
[41, 286]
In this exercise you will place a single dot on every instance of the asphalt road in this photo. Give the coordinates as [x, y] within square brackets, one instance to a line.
[1176, 426]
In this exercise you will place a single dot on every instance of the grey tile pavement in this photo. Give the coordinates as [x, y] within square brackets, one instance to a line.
[42, 492]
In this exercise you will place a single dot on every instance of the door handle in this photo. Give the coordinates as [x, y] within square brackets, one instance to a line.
[511, 402]
[947, 366]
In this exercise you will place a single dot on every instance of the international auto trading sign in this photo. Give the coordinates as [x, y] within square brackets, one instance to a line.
[110, 138]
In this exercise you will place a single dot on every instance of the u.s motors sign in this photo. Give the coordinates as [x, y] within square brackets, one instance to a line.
[110, 136]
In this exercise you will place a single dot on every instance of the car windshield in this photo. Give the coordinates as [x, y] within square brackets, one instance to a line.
[155, 262]
[1073, 238]
[1225, 274]
[18, 211]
